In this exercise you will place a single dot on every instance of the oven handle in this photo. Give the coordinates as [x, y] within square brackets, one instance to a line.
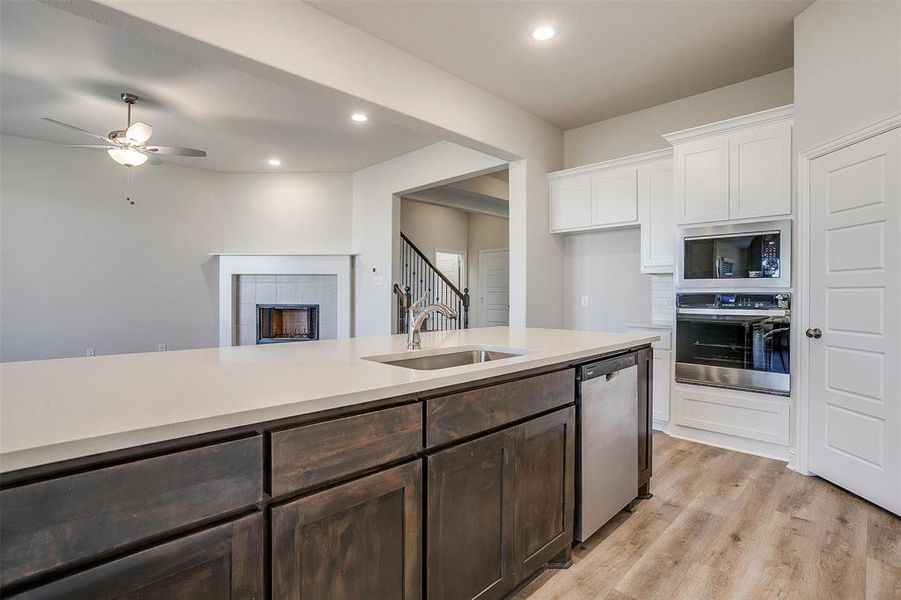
[775, 312]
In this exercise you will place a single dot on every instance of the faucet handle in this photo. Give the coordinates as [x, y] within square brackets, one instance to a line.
[415, 306]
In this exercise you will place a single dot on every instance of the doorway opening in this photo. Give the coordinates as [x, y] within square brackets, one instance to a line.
[455, 249]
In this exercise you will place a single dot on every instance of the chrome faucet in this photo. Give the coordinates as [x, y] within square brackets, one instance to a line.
[416, 316]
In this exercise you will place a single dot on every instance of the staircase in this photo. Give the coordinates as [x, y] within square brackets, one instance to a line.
[420, 276]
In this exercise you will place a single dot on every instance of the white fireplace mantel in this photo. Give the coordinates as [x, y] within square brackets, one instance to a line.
[233, 264]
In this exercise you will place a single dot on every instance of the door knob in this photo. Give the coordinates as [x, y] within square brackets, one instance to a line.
[815, 333]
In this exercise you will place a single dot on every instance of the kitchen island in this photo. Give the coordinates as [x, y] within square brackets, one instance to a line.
[305, 470]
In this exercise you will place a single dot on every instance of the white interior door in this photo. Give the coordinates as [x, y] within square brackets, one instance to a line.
[450, 263]
[494, 288]
[855, 367]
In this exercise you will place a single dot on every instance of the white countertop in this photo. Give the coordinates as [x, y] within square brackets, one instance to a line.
[651, 324]
[53, 410]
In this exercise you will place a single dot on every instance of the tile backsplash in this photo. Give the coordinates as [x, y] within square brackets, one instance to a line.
[662, 298]
[286, 289]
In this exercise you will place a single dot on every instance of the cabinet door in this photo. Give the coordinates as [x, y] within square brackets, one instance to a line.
[544, 490]
[614, 197]
[570, 203]
[661, 384]
[222, 562]
[701, 180]
[760, 172]
[362, 539]
[469, 551]
[658, 228]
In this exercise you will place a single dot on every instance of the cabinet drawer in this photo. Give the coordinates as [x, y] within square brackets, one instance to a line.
[221, 562]
[457, 416]
[315, 454]
[51, 523]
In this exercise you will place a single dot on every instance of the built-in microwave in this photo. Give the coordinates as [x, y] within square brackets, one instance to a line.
[737, 256]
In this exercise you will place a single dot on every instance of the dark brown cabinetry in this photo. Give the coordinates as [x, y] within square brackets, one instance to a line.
[68, 519]
[470, 519]
[225, 561]
[362, 539]
[543, 491]
[464, 493]
[499, 508]
[645, 432]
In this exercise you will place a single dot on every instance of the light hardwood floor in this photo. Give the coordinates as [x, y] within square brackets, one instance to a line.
[726, 525]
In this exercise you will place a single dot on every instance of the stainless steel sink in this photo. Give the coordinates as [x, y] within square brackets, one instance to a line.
[431, 362]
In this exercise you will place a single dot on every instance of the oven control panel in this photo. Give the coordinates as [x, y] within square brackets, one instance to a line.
[736, 301]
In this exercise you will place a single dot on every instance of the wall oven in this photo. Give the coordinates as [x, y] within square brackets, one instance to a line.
[738, 256]
[734, 340]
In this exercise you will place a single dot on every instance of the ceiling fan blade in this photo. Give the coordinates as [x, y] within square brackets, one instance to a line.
[73, 127]
[153, 159]
[175, 151]
[90, 146]
[138, 132]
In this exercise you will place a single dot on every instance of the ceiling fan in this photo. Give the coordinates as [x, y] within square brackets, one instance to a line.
[129, 146]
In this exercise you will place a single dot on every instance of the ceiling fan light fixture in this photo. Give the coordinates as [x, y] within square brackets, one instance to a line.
[127, 156]
[138, 132]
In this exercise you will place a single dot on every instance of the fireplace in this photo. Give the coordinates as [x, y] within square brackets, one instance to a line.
[278, 323]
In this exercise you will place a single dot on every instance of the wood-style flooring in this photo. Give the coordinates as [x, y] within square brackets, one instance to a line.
[726, 525]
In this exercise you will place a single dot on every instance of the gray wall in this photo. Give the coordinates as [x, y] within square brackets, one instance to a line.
[640, 131]
[605, 266]
[847, 68]
[81, 268]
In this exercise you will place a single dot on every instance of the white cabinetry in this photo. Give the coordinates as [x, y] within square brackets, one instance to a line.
[734, 169]
[702, 180]
[760, 172]
[655, 213]
[614, 197]
[626, 192]
[570, 202]
[663, 373]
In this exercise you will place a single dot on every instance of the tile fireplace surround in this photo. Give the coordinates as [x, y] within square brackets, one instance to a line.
[246, 280]
[253, 290]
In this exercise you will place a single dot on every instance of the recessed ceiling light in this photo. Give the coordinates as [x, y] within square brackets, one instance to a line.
[543, 33]
[274, 162]
[359, 117]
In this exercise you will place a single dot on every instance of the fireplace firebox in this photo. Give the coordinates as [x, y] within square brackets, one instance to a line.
[278, 323]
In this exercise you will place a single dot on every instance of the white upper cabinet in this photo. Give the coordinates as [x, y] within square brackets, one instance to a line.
[614, 197]
[655, 210]
[570, 203]
[600, 196]
[701, 180]
[760, 172]
[734, 169]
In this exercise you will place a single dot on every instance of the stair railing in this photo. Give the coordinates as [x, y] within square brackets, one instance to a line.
[419, 276]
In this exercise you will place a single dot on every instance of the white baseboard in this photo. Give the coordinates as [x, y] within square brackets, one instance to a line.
[660, 425]
[728, 442]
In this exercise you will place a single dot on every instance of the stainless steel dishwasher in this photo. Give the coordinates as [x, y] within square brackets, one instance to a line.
[607, 469]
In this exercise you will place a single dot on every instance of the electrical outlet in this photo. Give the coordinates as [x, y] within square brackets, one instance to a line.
[161, 348]
[584, 301]
[90, 352]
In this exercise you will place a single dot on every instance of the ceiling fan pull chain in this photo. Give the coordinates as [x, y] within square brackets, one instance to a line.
[130, 176]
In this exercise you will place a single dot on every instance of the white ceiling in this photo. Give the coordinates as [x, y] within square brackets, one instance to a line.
[56, 64]
[608, 58]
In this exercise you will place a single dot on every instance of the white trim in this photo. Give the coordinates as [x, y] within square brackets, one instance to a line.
[801, 461]
[231, 265]
[625, 161]
[769, 116]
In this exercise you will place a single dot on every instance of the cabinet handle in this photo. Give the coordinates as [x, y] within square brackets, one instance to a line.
[815, 333]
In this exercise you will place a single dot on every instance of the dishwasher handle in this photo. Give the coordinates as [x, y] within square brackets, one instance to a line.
[607, 367]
